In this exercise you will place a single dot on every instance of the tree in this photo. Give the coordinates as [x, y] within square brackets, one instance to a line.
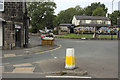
[114, 16]
[66, 16]
[90, 9]
[99, 12]
[41, 14]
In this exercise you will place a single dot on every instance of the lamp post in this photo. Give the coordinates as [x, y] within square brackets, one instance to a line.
[112, 31]
[112, 5]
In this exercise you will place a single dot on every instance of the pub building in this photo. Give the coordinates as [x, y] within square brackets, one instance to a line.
[14, 25]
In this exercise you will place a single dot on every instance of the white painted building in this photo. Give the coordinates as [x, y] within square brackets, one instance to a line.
[91, 21]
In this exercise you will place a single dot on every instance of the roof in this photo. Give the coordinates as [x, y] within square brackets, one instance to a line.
[65, 24]
[91, 18]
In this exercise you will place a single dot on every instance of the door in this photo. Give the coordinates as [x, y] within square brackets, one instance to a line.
[1, 37]
[18, 38]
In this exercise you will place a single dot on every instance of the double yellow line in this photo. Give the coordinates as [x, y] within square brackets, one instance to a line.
[50, 50]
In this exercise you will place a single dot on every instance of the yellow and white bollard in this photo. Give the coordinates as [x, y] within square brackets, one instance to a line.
[70, 58]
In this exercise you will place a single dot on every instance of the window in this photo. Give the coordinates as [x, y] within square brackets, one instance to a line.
[103, 22]
[94, 21]
[1, 5]
[64, 29]
[83, 21]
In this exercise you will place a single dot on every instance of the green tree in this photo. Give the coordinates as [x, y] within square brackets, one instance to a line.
[66, 16]
[41, 14]
[114, 16]
[90, 9]
[99, 12]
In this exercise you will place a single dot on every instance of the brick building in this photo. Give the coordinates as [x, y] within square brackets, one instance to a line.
[15, 28]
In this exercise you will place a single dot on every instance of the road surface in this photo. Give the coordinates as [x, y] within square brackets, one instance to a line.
[99, 58]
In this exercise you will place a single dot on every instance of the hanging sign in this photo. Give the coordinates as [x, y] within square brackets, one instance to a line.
[18, 26]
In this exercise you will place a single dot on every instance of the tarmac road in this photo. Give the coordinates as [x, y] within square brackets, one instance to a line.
[99, 58]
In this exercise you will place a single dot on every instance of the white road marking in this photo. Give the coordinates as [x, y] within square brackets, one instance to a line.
[55, 57]
[67, 77]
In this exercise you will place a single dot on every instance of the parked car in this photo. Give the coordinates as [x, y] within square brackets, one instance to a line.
[41, 31]
[46, 36]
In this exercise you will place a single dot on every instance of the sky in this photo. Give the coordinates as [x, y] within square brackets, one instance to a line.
[65, 4]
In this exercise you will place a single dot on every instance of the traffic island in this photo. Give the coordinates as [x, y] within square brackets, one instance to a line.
[75, 72]
[56, 67]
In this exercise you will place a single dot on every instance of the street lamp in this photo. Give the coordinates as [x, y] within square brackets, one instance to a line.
[112, 5]
[112, 31]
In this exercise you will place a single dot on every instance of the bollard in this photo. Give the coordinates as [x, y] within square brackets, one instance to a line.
[70, 59]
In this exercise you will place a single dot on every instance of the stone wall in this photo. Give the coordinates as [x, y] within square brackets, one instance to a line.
[13, 14]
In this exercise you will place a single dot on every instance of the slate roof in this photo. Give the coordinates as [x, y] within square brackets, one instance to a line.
[91, 17]
[65, 25]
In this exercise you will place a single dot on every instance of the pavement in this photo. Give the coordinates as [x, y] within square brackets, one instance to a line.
[34, 47]
[56, 68]
[96, 59]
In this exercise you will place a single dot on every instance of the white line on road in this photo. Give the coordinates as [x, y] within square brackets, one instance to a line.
[67, 77]
[55, 57]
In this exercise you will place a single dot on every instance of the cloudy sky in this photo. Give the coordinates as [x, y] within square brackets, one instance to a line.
[64, 4]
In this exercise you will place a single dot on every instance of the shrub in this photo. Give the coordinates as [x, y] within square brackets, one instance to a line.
[31, 30]
[55, 32]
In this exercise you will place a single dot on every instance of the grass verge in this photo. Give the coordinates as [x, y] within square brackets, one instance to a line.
[86, 36]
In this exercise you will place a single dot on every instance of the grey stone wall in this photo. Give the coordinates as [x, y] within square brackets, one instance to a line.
[13, 14]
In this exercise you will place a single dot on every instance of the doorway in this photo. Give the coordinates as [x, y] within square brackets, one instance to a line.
[18, 37]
